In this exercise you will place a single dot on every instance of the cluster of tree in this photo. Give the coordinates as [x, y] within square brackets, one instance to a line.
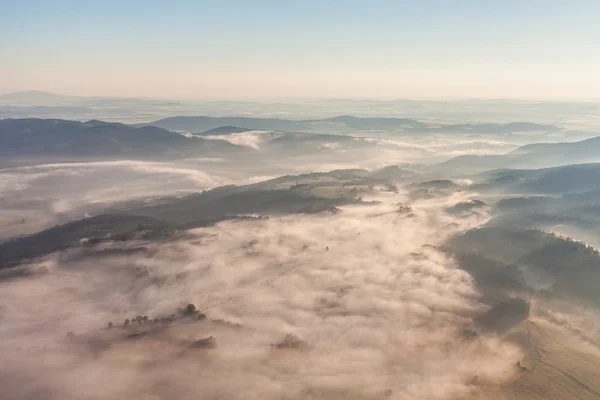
[190, 311]
[137, 320]
[205, 343]
[404, 209]
[290, 341]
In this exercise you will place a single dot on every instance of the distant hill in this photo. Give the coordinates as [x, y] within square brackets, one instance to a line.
[312, 143]
[565, 179]
[43, 111]
[394, 173]
[63, 138]
[498, 129]
[531, 156]
[203, 124]
[343, 124]
[224, 130]
[536, 148]
[37, 98]
[373, 123]
[41, 98]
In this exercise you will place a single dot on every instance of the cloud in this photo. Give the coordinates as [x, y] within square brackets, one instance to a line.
[331, 146]
[69, 185]
[42, 170]
[33, 198]
[435, 149]
[252, 139]
[379, 312]
[463, 182]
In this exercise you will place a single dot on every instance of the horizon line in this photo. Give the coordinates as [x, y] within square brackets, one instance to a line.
[309, 98]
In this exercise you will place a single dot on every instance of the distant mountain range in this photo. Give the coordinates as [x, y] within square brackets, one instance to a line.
[42, 104]
[224, 130]
[62, 138]
[344, 123]
[38, 97]
[202, 124]
[531, 156]
[575, 178]
[32, 137]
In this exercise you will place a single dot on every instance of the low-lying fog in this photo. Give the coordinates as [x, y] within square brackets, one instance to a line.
[35, 197]
[361, 301]
[379, 314]
[38, 196]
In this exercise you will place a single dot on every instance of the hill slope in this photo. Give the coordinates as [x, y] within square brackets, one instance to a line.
[538, 155]
[343, 124]
[63, 138]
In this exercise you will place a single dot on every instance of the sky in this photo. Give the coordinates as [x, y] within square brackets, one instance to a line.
[267, 49]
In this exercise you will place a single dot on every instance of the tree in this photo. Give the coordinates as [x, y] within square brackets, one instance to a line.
[126, 322]
[190, 309]
[110, 325]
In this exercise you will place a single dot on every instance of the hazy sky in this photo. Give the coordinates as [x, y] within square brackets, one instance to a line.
[295, 49]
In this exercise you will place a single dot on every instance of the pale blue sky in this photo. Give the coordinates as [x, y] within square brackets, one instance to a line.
[299, 49]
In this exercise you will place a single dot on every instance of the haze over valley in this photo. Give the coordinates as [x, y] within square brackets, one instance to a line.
[349, 256]
[299, 200]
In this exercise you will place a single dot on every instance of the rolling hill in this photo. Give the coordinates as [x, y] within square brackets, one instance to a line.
[344, 123]
[577, 178]
[529, 260]
[49, 138]
[539, 155]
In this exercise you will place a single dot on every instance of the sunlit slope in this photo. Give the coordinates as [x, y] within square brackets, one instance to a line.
[556, 367]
